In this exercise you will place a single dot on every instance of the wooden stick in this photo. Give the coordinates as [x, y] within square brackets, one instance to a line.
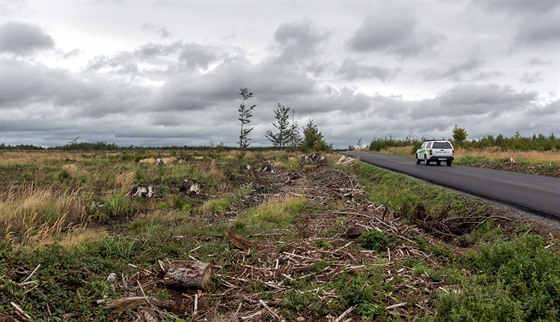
[20, 310]
[249, 317]
[269, 310]
[345, 313]
[390, 307]
[28, 277]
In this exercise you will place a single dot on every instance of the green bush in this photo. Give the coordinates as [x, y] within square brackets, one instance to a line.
[517, 280]
[374, 240]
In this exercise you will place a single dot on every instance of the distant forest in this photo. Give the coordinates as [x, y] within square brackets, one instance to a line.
[538, 142]
[103, 146]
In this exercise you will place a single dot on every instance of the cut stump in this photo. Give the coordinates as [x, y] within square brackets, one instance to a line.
[188, 274]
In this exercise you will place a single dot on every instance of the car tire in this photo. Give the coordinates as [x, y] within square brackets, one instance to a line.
[418, 160]
[426, 160]
[448, 163]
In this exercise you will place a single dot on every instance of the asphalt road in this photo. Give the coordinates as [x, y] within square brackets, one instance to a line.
[538, 194]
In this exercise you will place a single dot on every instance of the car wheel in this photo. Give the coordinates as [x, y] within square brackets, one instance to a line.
[438, 162]
[448, 163]
[426, 160]
[418, 160]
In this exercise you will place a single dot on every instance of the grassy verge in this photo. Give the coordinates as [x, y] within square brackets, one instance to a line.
[506, 274]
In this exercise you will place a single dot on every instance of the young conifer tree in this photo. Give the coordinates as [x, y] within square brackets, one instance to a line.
[245, 114]
[281, 138]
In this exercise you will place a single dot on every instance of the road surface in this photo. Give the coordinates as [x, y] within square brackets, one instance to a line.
[538, 194]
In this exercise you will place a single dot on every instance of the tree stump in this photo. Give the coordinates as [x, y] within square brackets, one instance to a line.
[188, 274]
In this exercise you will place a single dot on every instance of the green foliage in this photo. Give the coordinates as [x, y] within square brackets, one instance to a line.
[374, 240]
[538, 142]
[379, 144]
[365, 291]
[118, 204]
[313, 139]
[283, 137]
[516, 280]
[459, 134]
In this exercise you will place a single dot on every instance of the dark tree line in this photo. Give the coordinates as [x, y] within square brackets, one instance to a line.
[538, 142]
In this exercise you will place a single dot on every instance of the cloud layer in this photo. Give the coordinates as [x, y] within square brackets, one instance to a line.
[170, 74]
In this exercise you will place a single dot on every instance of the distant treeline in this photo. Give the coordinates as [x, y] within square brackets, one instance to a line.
[539, 142]
[103, 146]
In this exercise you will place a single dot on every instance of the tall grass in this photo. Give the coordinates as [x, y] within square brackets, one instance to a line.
[32, 212]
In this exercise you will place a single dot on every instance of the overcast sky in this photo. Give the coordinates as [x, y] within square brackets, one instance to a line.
[169, 72]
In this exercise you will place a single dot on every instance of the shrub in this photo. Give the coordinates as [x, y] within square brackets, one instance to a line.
[374, 240]
[518, 280]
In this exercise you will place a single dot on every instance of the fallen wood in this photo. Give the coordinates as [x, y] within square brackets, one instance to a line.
[267, 166]
[188, 274]
[142, 191]
[238, 241]
[390, 307]
[126, 303]
[190, 187]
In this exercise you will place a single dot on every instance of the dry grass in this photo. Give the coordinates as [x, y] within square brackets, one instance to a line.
[124, 181]
[74, 237]
[491, 153]
[497, 153]
[34, 213]
[40, 157]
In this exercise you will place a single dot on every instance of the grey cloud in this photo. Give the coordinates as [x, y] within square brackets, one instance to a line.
[23, 39]
[327, 100]
[483, 99]
[394, 32]
[158, 29]
[73, 53]
[531, 77]
[548, 109]
[24, 83]
[158, 50]
[192, 91]
[353, 70]
[486, 75]
[127, 62]
[538, 32]
[454, 71]
[197, 56]
[539, 62]
[298, 41]
[41, 90]
[520, 7]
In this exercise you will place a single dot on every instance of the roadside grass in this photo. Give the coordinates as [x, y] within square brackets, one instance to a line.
[534, 162]
[506, 274]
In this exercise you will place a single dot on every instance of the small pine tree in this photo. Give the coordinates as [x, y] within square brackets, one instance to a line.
[282, 138]
[245, 115]
[459, 134]
[313, 138]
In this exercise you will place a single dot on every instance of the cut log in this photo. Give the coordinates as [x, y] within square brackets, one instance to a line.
[188, 274]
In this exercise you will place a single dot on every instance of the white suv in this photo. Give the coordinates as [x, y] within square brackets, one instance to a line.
[435, 151]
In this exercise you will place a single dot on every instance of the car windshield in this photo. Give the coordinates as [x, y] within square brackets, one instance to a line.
[442, 145]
